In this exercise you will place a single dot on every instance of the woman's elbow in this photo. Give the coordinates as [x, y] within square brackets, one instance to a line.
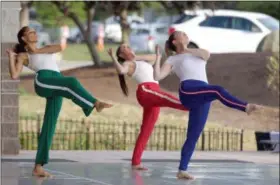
[157, 77]
[207, 56]
[122, 72]
[14, 76]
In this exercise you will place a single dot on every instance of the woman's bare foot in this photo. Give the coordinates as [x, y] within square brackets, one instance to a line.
[40, 172]
[101, 105]
[184, 175]
[250, 108]
[139, 167]
[40, 180]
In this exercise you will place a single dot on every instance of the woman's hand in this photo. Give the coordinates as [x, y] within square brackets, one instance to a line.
[158, 53]
[15, 63]
[11, 53]
[110, 52]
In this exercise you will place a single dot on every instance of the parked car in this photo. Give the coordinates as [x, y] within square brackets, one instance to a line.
[189, 17]
[228, 30]
[144, 37]
[97, 29]
[113, 29]
[43, 37]
[168, 19]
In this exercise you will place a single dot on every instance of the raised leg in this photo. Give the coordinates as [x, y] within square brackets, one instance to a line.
[68, 87]
[201, 94]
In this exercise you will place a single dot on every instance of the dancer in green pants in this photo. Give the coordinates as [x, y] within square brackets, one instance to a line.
[50, 84]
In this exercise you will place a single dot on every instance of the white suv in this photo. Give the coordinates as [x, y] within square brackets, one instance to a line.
[228, 31]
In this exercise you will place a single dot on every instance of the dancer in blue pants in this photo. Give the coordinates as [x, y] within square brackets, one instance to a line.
[195, 92]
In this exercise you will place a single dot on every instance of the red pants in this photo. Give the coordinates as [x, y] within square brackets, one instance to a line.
[151, 98]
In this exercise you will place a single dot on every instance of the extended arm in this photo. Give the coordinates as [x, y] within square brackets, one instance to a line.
[161, 73]
[202, 53]
[55, 48]
[121, 69]
[15, 64]
[149, 58]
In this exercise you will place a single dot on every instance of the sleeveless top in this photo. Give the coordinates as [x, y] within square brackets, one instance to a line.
[43, 61]
[144, 72]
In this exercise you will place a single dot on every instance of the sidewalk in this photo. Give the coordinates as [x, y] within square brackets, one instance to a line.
[125, 156]
[63, 65]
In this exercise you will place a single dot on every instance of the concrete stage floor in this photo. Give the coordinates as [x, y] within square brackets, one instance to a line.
[113, 168]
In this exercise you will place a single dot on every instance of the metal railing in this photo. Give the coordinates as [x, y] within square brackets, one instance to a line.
[101, 135]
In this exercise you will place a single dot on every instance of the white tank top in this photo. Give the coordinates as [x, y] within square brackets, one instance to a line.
[42, 61]
[187, 66]
[144, 72]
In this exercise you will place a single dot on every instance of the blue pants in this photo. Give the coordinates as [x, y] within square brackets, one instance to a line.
[197, 96]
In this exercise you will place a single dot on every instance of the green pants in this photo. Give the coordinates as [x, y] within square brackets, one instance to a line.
[54, 86]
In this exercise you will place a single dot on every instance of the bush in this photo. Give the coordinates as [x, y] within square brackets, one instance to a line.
[273, 68]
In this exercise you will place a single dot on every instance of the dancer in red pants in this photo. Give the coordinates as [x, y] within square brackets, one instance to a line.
[149, 94]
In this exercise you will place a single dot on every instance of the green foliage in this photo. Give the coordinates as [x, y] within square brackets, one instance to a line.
[48, 14]
[273, 68]
[271, 8]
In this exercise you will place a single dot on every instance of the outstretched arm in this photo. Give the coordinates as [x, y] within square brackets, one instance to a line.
[149, 58]
[15, 63]
[202, 53]
[121, 69]
[55, 48]
[161, 72]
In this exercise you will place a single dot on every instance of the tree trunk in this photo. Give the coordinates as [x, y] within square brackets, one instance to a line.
[90, 14]
[94, 55]
[24, 14]
[124, 26]
[90, 45]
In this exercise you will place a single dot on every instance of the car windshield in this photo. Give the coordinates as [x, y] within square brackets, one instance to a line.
[184, 18]
[270, 22]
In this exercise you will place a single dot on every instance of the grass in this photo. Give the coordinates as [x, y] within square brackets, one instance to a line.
[123, 112]
[80, 52]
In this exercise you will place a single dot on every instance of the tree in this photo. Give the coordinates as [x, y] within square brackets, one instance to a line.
[271, 8]
[121, 8]
[89, 7]
[49, 16]
[181, 6]
[24, 13]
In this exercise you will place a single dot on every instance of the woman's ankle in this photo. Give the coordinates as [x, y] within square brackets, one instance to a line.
[36, 166]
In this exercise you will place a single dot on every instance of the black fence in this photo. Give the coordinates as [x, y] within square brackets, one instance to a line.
[101, 135]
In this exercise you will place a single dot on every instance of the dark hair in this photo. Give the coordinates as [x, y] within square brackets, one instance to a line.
[169, 42]
[121, 76]
[20, 47]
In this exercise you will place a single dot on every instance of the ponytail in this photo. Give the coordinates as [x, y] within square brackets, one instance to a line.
[123, 84]
[121, 76]
[20, 47]
[169, 42]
